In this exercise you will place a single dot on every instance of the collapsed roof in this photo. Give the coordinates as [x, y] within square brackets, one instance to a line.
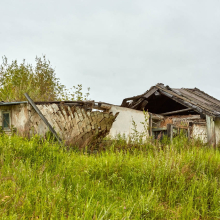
[88, 105]
[164, 100]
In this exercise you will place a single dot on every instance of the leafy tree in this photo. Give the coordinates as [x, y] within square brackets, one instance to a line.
[40, 82]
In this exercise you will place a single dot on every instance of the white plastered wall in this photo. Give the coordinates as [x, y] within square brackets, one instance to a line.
[18, 117]
[200, 132]
[123, 123]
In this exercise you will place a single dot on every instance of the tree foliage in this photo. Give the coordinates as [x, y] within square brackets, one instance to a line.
[39, 81]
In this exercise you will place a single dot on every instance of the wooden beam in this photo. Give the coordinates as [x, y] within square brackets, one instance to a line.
[157, 117]
[137, 103]
[174, 112]
[150, 92]
[210, 123]
[170, 131]
[124, 102]
[188, 133]
[145, 96]
[159, 129]
[143, 104]
[187, 103]
[42, 117]
[150, 124]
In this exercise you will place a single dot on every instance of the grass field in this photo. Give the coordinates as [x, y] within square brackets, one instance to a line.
[44, 181]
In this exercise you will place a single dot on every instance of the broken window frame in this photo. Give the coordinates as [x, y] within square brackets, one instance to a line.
[169, 131]
[159, 131]
[9, 120]
[171, 128]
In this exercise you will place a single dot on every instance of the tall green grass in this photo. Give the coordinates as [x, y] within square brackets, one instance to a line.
[40, 180]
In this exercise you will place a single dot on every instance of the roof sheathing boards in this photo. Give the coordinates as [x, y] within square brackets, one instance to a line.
[195, 99]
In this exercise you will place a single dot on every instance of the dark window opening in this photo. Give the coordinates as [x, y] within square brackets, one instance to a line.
[177, 131]
[171, 131]
[6, 120]
[159, 135]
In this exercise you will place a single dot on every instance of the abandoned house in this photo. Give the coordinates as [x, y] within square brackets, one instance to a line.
[81, 123]
[72, 122]
[172, 110]
[75, 122]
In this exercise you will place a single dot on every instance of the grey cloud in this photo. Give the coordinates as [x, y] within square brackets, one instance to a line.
[119, 48]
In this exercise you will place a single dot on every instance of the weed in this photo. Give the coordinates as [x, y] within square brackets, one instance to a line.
[41, 180]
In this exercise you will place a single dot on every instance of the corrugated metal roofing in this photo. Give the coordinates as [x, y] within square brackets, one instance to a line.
[196, 99]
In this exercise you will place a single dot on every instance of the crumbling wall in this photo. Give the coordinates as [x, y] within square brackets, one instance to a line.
[198, 126]
[18, 118]
[124, 122]
[195, 122]
[199, 131]
[180, 120]
[73, 124]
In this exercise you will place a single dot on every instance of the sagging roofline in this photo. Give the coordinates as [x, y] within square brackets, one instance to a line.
[192, 99]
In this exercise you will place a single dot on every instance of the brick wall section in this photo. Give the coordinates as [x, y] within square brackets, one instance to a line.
[73, 124]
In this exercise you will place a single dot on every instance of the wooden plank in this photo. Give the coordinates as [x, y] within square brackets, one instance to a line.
[187, 103]
[105, 106]
[143, 104]
[193, 97]
[188, 133]
[166, 93]
[124, 102]
[137, 103]
[150, 92]
[159, 129]
[200, 100]
[210, 130]
[170, 131]
[157, 117]
[206, 96]
[178, 111]
[150, 124]
[42, 117]
[139, 98]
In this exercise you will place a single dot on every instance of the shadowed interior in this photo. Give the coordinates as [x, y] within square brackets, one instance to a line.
[159, 104]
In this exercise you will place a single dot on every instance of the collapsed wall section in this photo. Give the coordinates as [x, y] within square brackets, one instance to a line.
[75, 125]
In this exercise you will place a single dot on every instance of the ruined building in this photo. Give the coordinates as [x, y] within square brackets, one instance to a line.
[81, 123]
[74, 122]
[173, 110]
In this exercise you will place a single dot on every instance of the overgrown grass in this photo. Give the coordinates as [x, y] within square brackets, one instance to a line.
[44, 181]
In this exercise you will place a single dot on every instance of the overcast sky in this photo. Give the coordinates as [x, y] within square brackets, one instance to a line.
[119, 48]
